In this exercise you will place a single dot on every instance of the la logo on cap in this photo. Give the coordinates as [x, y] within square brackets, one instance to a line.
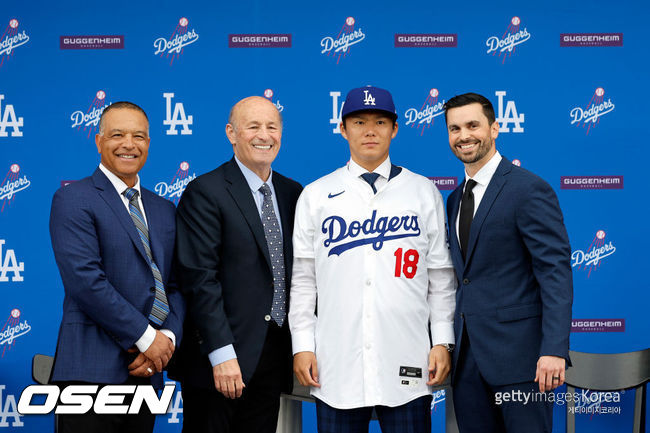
[369, 99]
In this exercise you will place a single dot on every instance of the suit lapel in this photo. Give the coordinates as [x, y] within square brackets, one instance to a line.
[491, 193]
[454, 246]
[108, 193]
[241, 194]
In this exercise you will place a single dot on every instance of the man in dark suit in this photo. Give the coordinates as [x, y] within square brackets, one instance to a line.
[234, 228]
[113, 242]
[513, 304]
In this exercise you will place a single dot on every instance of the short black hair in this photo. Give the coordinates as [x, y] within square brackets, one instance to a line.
[392, 116]
[118, 105]
[471, 98]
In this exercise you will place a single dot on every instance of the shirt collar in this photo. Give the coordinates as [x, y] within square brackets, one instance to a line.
[253, 180]
[118, 183]
[383, 170]
[484, 175]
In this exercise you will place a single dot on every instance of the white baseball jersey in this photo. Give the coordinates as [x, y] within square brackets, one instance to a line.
[382, 273]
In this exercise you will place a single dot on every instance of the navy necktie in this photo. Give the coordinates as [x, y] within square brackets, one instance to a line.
[275, 245]
[160, 307]
[466, 215]
[371, 178]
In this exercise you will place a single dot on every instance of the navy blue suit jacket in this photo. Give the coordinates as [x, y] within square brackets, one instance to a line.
[225, 272]
[515, 288]
[109, 286]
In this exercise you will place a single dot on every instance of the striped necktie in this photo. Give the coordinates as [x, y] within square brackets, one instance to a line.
[160, 308]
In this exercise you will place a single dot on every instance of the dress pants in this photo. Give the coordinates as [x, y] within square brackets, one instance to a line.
[91, 422]
[475, 401]
[411, 417]
[256, 411]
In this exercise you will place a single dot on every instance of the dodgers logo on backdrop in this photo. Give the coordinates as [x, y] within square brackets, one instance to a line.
[172, 191]
[176, 406]
[340, 44]
[8, 119]
[512, 37]
[9, 409]
[13, 183]
[268, 94]
[9, 264]
[178, 118]
[13, 328]
[591, 258]
[173, 47]
[11, 39]
[424, 116]
[343, 235]
[89, 119]
[595, 109]
[508, 115]
[596, 402]
[336, 111]
[439, 397]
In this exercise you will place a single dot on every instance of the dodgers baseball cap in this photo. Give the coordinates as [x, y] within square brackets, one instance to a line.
[368, 98]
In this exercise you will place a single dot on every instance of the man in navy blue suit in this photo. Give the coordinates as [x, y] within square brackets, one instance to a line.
[513, 304]
[113, 241]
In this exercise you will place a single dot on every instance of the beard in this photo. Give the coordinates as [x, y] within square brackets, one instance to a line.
[482, 149]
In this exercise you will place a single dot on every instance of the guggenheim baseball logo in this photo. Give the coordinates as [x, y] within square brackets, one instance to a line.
[89, 119]
[512, 37]
[11, 39]
[426, 40]
[259, 41]
[93, 42]
[12, 329]
[591, 39]
[173, 47]
[596, 108]
[172, 191]
[591, 258]
[374, 231]
[591, 182]
[12, 184]
[340, 44]
[108, 399]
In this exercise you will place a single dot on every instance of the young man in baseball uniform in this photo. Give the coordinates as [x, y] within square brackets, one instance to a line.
[370, 254]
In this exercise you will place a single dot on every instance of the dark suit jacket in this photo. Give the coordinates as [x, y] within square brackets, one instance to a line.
[225, 271]
[109, 286]
[515, 289]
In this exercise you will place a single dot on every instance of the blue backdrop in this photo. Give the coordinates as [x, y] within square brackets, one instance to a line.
[565, 78]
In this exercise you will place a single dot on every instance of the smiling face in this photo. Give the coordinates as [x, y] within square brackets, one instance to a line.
[124, 143]
[369, 134]
[471, 137]
[255, 132]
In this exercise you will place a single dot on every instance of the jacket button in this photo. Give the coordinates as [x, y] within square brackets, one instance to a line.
[152, 289]
[267, 318]
[466, 281]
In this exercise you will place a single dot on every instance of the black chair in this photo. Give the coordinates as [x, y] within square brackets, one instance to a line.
[629, 370]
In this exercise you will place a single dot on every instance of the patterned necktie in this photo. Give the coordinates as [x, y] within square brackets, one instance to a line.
[466, 215]
[160, 308]
[371, 178]
[274, 243]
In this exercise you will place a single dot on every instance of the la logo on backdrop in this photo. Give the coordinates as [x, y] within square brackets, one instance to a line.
[12, 184]
[12, 329]
[268, 94]
[590, 116]
[173, 47]
[338, 46]
[9, 120]
[89, 119]
[173, 190]
[590, 259]
[11, 39]
[512, 37]
[9, 264]
[423, 117]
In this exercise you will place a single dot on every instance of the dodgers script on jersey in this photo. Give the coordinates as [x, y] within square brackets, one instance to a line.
[376, 288]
